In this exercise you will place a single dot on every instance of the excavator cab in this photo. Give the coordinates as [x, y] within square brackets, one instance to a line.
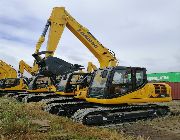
[125, 85]
[41, 83]
[13, 84]
[70, 82]
[113, 82]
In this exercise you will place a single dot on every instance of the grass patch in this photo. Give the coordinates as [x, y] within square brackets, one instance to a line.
[28, 121]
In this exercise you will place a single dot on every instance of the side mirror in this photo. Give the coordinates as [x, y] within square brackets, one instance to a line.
[104, 74]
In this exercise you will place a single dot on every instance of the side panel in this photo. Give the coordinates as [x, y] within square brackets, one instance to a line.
[143, 95]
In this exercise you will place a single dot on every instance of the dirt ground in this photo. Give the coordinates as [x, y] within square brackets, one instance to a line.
[167, 128]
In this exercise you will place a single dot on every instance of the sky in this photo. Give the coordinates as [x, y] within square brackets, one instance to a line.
[142, 33]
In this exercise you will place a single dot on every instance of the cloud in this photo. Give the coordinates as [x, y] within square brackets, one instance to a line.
[141, 33]
[15, 51]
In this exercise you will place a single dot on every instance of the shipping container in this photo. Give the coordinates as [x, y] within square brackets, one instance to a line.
[164, 77]
[175, 90]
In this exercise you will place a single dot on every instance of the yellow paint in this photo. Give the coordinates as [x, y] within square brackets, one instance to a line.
[81, 94]
[7, 71]
[65, 93]
[91, 67]
[50, 88]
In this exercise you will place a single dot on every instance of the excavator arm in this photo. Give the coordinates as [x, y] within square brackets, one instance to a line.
[24, 66]
[42, 38]
[60, 19]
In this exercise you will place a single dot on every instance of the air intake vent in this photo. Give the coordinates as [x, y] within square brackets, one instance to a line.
[160, 89]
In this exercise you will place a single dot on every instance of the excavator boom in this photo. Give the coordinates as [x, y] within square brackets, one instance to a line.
[60, 19]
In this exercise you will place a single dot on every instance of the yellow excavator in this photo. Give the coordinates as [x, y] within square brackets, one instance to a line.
[115, 93]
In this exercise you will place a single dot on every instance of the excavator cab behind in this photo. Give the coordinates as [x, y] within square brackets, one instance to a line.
[13, 84]
[41, 83]
[69, 83]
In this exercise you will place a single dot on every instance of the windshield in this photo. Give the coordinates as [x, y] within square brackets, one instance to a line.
[9, 81]
[43, 80]
[98, 80]
[62, 84]
[76, 78]
[121, 77]
[63, 81]
[39, 82]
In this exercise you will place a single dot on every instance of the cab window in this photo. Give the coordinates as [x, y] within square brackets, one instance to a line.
[121, 83]
[139, 78]
[121, 77]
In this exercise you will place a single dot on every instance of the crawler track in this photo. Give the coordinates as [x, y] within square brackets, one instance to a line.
[95, 114]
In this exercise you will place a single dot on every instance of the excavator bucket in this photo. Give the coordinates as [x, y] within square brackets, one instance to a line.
[56, 66]
[53, 66]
